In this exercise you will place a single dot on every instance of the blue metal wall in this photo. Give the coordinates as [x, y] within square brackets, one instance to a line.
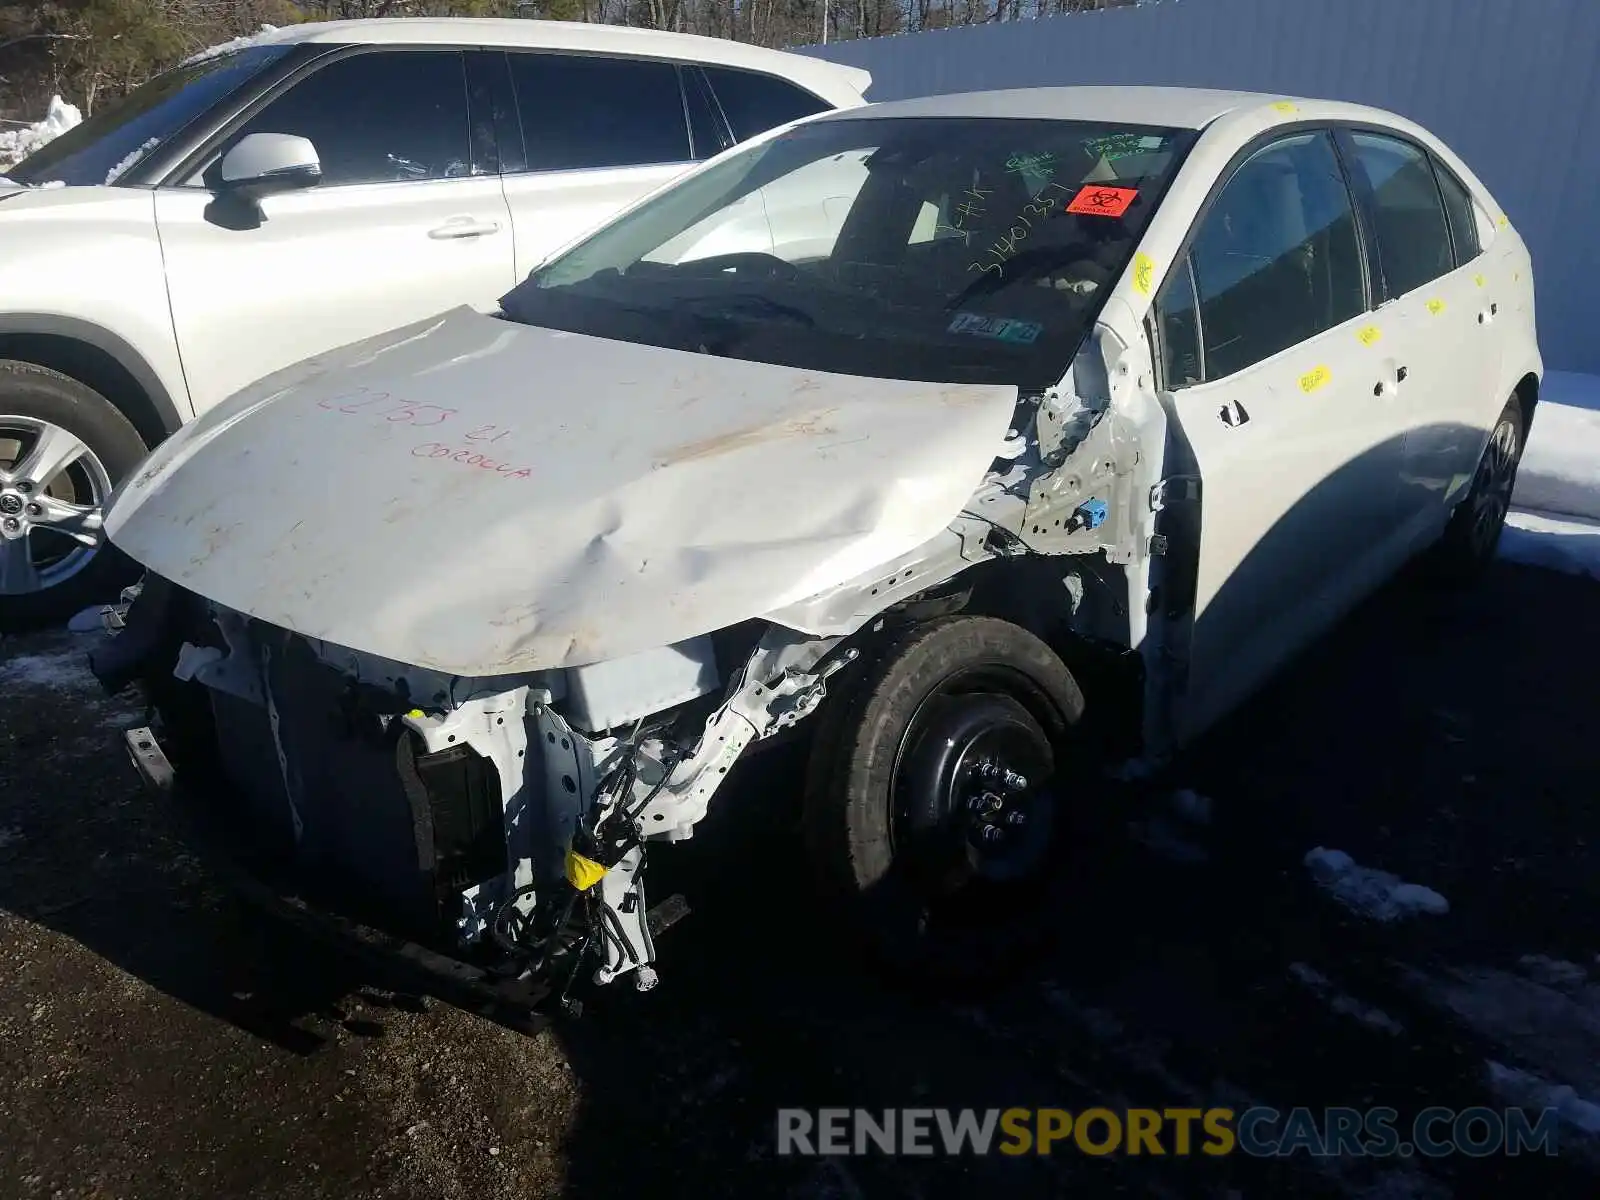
[1511, 85]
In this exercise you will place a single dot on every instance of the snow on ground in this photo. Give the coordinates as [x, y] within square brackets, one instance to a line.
[1529, 1091]
[1368, 891]
[17, 144]
[229, 47]
[1560, 471]
[1566, 544]
[1341, 1002]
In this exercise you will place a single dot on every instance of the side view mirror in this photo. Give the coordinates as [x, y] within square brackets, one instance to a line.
[264, 164]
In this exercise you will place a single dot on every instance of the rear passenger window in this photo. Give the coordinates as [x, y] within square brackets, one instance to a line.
[1274, 262]
[1413, 236]
[582, 111]
[1463, 220]
[754, 103]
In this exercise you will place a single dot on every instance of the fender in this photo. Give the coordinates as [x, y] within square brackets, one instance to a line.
[163, 403]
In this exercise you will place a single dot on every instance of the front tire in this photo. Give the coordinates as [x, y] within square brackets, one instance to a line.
[1467, 547]
[63, 448]
[935, 799]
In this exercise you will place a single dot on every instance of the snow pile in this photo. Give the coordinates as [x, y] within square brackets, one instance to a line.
[1370, 892]
[1345, 1005]
[1560, 469]
[228, 47]
[129, 159]
[1560, 544]
[1529, 1091]
[17, 144]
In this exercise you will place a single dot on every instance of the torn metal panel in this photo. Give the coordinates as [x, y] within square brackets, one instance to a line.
[483, 498]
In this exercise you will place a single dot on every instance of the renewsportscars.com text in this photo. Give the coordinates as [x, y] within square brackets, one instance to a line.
[1259, 1132]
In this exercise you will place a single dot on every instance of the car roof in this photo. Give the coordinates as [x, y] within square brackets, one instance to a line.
[1175, 107]
[819, 75]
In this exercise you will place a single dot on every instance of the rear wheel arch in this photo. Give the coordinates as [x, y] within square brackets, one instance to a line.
[98, 359]
[1527, 394]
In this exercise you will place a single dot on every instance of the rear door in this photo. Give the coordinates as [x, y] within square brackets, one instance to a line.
[409, 220]
[1269, 381]
[1438, 345]
[602, 131]
[599, 132]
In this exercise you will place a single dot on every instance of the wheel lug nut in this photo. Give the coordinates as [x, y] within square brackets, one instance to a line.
[11, 525]
[992, 833]
[1016, 818]
[34, 510]
[24, 486]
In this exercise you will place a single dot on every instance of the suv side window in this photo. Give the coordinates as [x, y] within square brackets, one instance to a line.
[1407, 212]
[754, 103]
[1275, 261]
[1459, 208]
[386, 116]
[585, 111]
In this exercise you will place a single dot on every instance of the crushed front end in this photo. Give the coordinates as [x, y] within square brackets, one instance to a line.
[493, 831]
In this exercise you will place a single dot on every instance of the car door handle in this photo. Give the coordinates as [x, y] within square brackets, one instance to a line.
[463, 227]
[1233, 414]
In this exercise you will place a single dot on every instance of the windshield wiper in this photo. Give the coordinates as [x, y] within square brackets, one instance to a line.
[732, 301]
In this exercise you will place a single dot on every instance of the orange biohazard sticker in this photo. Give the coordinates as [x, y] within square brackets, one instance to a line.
[1096, 201]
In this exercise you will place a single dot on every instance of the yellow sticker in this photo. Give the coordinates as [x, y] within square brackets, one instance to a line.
[1436, 307]
[1285, 106]
[1314, 378]
[1504, 222]
[1144, 273]
[1480, 281]
[415, 713]
[1369, 335]
[583, 873]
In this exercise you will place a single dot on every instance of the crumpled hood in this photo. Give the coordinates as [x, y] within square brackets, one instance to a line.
[481, 498]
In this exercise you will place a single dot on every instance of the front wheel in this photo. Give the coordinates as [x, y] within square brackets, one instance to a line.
[1471, 538]
[63, 448]
[936, 798]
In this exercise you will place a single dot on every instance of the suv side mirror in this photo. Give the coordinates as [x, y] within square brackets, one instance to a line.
[264, 164]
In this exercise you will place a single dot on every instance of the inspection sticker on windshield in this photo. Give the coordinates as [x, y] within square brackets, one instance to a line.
[1004, 329]
[1097, 201]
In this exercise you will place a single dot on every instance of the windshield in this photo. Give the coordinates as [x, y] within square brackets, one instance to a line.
[108, 143]
[963, 250]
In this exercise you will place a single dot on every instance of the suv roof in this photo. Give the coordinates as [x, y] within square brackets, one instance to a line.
[835, 82]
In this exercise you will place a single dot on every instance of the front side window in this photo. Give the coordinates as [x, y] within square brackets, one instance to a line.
[118, 136]
[1413, 236]
[1460, 210]
[1275, 261]
[379, 117]
[755, 103]
[582, 111]
[950, 249]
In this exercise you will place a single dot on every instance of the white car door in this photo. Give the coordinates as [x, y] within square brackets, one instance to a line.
[1270, 385]
[1439, 343]
[405, 223]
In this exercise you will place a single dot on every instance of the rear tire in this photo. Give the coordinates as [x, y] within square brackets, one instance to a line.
[47, 575]
[1467, 547]
[935, 805]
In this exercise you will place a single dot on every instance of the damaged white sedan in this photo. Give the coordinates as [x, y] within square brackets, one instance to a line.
[978, 438]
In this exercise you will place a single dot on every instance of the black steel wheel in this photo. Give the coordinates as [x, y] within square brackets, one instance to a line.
[936, 801]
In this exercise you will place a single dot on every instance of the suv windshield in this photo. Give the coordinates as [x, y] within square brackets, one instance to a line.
[115, 138]
[970, 250]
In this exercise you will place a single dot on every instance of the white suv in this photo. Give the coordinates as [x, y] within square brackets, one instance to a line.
[319, 184]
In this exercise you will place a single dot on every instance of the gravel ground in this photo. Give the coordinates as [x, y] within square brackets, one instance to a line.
[155, 1040]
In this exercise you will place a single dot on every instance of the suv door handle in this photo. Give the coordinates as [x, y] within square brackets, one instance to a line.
[463, 227]
[1233, 414]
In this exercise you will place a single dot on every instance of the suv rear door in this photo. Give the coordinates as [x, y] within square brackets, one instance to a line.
[601, 131]
[409, 220]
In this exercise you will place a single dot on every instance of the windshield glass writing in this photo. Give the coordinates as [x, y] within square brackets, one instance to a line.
[948, 249]
[115, 138]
